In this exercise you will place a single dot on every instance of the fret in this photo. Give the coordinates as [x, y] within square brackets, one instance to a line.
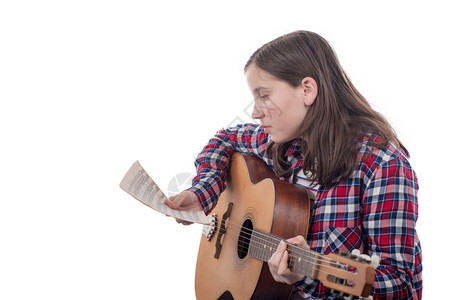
[315, 259]
[301, 261]
[316, 265]
[296, 259]
[307, 264]
[262, 246]
[253, 249]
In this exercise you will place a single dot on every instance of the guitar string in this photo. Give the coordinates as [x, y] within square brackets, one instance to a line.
[274, 242]
[297, 252]
[318, 258]
[294, 252]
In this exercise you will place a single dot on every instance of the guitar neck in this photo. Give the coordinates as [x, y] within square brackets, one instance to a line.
[262, 246]
[342, 273]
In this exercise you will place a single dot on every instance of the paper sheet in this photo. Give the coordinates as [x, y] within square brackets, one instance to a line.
[141, 186]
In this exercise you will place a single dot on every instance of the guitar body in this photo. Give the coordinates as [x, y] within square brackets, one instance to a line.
[259, 202]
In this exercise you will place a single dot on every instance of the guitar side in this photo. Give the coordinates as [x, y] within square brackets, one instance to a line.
[264, 203]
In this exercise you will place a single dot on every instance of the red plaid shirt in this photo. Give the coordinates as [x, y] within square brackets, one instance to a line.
[374, 210]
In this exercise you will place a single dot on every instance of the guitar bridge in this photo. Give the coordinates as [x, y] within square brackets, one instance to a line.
[222, 230]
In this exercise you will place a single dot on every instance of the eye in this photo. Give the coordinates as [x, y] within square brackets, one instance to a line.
[264, 97]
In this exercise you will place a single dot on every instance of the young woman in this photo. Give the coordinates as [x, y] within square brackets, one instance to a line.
[318, 131]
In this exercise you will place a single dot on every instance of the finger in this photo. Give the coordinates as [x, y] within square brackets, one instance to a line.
[283, 267]
[275, 259]
[280, 249]
[274, 263]
[184, 222]
[278, 264]
[180, 221]
[299, 241]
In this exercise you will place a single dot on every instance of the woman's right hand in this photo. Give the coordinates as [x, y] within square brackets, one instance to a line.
[186, 200]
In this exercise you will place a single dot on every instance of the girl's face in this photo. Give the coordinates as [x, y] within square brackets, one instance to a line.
[278, 106]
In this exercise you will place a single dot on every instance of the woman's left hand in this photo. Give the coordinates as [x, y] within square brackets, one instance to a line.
[278, 263]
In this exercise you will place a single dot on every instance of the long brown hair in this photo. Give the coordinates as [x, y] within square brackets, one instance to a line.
[338, 118]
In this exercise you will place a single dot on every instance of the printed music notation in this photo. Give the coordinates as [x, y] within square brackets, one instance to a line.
[141, 186]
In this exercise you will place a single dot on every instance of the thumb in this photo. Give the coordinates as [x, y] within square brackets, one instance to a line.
[172, 202]
[185, 200]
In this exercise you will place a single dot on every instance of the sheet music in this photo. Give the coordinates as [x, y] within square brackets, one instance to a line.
[141, 186]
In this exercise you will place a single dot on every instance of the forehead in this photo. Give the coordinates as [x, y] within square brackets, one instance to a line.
[255, 73]
[258, 79]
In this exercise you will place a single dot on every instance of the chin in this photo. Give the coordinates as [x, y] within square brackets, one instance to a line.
[279, 139]
[282, 139]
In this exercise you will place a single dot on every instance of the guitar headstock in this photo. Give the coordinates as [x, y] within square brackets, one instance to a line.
[351, 274]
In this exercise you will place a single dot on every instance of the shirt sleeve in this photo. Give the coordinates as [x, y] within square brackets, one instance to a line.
[389, 219]
[212, 162]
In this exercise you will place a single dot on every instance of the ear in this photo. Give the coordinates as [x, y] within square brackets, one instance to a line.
[309, 90]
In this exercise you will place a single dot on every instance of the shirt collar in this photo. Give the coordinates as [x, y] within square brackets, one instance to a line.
[293, 153]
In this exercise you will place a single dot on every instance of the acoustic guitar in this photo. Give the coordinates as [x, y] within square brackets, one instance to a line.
[254, 213]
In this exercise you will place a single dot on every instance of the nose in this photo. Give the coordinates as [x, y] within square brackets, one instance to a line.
[257, 112]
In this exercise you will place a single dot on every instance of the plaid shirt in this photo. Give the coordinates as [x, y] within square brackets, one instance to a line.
[374, 210]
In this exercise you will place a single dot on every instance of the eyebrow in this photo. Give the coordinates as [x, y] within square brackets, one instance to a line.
[259, 88]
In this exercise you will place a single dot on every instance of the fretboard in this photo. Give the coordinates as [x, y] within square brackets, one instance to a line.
[263, 245]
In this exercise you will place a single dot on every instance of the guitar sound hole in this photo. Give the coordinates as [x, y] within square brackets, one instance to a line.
[244, 238]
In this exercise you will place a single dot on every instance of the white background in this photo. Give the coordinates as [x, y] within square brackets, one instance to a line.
[88, 87]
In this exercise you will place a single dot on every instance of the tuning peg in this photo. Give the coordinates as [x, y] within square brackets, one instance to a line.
[375, 261]
[356, 252]
[363, 257]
